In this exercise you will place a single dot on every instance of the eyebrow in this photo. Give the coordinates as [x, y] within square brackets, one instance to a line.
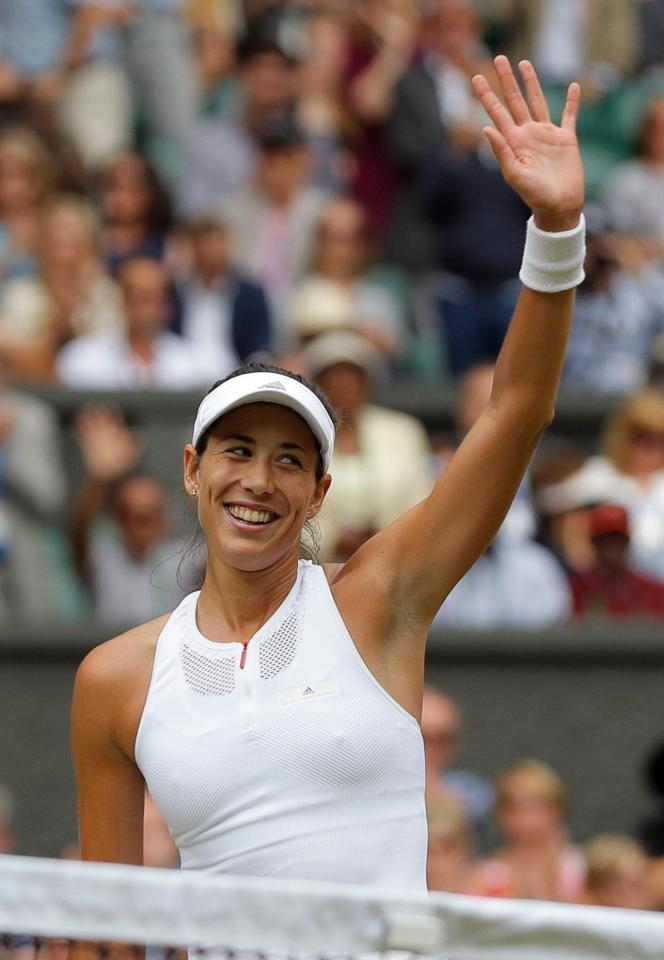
[244, 439]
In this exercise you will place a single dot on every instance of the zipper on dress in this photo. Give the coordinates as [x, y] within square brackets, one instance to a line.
[243, 658]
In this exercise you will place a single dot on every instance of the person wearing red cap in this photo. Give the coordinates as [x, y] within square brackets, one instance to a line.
[611, 589]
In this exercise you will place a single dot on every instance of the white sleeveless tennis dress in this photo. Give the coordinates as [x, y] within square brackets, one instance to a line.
[285, 757]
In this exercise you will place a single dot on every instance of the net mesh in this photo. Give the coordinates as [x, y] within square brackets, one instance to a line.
[115, 911]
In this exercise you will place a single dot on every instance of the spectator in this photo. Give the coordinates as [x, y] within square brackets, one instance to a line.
[563, 498]
[35, 573]
[274, 220]
[442, 733]
[125, 553]
[322, 109]
[536, 861]
[634, 193]
[515, 583]
[341, 261]
[26, 179]
[221, 312]
[71, 296]
[433, 110]
[617, 318]
[610, 589]
[450, 845]
[617, 873]
[222, 152]
[34, 35]
[630, 471]
[135, 210]
[96, 104]
[594, 41]
[384, 33]
[145, 354]
[381, 460]
[159, 58]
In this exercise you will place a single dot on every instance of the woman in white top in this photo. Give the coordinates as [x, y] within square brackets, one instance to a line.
[273, 715]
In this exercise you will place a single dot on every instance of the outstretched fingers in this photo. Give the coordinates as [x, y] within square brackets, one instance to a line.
[571, 111]
[493, 106]
[513, 97]
[536, 99]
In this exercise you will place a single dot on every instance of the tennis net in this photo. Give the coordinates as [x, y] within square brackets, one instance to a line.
[46, 905]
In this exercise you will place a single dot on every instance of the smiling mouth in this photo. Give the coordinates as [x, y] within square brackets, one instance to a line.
[246, 515]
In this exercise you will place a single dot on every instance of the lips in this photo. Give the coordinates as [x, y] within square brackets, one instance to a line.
[250, 515]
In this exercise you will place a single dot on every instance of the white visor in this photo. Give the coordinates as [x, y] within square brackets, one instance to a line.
[268, 388]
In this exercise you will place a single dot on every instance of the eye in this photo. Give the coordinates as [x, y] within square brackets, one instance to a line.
[290, 459]
[239, 451]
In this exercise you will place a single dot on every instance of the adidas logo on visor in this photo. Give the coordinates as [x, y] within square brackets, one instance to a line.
[273, 385]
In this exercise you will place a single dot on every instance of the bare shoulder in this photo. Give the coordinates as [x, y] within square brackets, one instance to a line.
[112, 684]
[118, 660]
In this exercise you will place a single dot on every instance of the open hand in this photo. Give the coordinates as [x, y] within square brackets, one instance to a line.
[538, 159]
[109, 447]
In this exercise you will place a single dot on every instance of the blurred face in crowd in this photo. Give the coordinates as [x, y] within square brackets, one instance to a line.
[21, 180]
[347, 388]
[125, 190]
[281, 172]
[326, 55]
[211, 253]
[145, 288]
[618, 873]
[527, 812]
[454, 27]
[441, 731]
[474, 394]
[68, 236]
[269, 82]
[646, 450]
[139, 511]
[342, 244]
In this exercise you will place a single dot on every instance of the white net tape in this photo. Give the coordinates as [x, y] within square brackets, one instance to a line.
[109, 902]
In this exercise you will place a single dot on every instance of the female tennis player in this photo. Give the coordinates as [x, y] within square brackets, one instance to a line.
[273, 715]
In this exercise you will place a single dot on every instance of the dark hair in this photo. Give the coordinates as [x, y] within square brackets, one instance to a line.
[159, 214]
[272, 368]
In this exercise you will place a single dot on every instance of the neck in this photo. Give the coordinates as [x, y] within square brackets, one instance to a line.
[234, 603]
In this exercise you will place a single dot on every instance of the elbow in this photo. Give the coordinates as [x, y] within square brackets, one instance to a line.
[527, 420]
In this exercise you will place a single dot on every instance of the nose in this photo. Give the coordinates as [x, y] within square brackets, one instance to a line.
[257, 477]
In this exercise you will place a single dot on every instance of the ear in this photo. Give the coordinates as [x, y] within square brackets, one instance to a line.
[320, 493]
[191, 468]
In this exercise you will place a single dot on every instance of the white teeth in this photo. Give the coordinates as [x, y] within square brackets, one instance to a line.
[250, 516]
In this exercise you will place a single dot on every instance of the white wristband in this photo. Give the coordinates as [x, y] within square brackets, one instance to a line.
[553, 261]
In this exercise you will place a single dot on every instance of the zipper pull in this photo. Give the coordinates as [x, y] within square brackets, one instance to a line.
[243, 658]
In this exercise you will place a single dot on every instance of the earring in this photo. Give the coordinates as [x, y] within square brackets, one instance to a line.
[193, 492]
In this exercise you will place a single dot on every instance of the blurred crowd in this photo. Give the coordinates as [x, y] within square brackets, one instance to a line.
[187, 185]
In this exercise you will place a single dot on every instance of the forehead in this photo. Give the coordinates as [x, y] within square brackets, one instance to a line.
[266, 422]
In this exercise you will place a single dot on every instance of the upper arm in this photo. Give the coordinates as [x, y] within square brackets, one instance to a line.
[423, 554]
[110, 787]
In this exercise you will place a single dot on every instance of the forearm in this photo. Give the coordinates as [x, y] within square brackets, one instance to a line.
[530, 364]
[371, 93]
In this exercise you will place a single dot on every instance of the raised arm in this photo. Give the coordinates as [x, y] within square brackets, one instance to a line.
[420, 557]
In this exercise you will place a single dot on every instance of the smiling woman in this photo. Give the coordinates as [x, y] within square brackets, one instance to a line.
[274, 715]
